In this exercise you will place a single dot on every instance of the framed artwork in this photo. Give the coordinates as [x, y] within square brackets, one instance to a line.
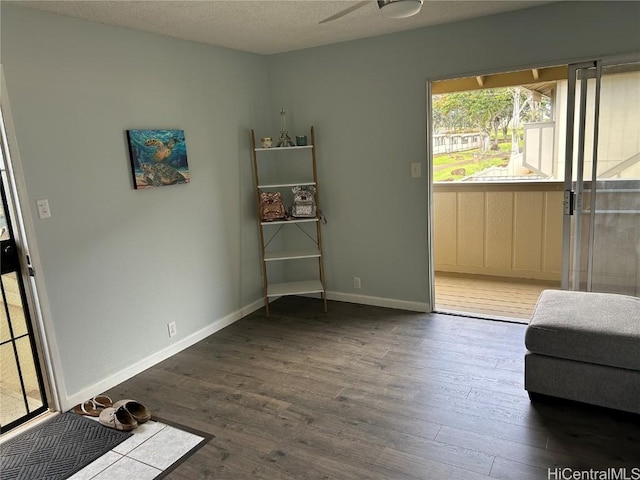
[158, 158]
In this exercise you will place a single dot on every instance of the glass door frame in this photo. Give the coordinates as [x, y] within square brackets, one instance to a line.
[15, 268]
[573, 247]
[22, 225]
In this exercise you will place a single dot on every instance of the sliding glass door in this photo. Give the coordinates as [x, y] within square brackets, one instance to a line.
[601, 242]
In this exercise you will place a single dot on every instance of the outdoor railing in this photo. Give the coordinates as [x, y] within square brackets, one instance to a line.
[500, 229]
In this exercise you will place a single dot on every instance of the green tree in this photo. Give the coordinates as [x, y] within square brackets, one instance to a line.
[485, 110]
[490, 111]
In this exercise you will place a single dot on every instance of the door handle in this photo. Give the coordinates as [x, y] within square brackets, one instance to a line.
[9, 256]
[569, 202]
[30, 269]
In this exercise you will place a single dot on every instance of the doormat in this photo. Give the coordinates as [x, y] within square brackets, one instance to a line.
[57, 449]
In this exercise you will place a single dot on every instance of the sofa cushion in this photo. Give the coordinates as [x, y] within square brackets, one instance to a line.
[599, 328]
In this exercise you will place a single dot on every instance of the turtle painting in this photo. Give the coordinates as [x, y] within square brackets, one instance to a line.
[158, 158]
[158, 174]
[163, 149]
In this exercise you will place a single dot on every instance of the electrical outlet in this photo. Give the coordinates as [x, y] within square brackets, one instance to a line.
[43, 208]
[356, 282]
[172, 328]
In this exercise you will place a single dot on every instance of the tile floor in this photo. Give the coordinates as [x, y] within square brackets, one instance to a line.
[153, 448]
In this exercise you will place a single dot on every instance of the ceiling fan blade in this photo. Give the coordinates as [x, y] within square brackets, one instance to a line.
[346, 11]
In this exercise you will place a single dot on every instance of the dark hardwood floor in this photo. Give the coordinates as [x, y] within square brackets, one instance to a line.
[371, 393]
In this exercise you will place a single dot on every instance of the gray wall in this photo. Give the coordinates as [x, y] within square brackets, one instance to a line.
[118, 264]
[367, 100]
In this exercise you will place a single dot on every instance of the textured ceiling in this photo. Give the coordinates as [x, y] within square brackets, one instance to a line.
[266, 26]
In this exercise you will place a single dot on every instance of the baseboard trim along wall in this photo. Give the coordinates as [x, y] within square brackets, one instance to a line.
[379, 302]
[219, 324]
[159, 356]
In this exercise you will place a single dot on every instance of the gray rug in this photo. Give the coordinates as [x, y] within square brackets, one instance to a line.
[57, 449]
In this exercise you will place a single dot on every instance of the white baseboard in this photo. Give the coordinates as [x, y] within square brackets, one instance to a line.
[219, 324]
[158, 357]
[379, 302]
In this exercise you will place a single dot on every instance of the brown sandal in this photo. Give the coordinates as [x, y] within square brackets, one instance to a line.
[102, 401]
[88, 408]
[93, 406]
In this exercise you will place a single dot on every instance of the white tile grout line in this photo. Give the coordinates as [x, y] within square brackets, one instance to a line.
[155, 434]
[164, 425]
[106, 466]
[122, 457]
[135, 448]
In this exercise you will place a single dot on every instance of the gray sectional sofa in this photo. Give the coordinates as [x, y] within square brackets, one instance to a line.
[585, 347]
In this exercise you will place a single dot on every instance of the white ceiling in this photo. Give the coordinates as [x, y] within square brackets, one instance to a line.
[266, 26]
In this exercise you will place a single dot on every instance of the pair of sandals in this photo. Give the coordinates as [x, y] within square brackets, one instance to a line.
[123, 415]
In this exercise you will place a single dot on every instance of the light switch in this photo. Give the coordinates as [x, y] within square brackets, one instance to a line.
[43, 208]
[416, 171]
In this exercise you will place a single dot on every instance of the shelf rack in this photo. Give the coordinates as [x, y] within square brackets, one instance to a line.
[309, 286]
